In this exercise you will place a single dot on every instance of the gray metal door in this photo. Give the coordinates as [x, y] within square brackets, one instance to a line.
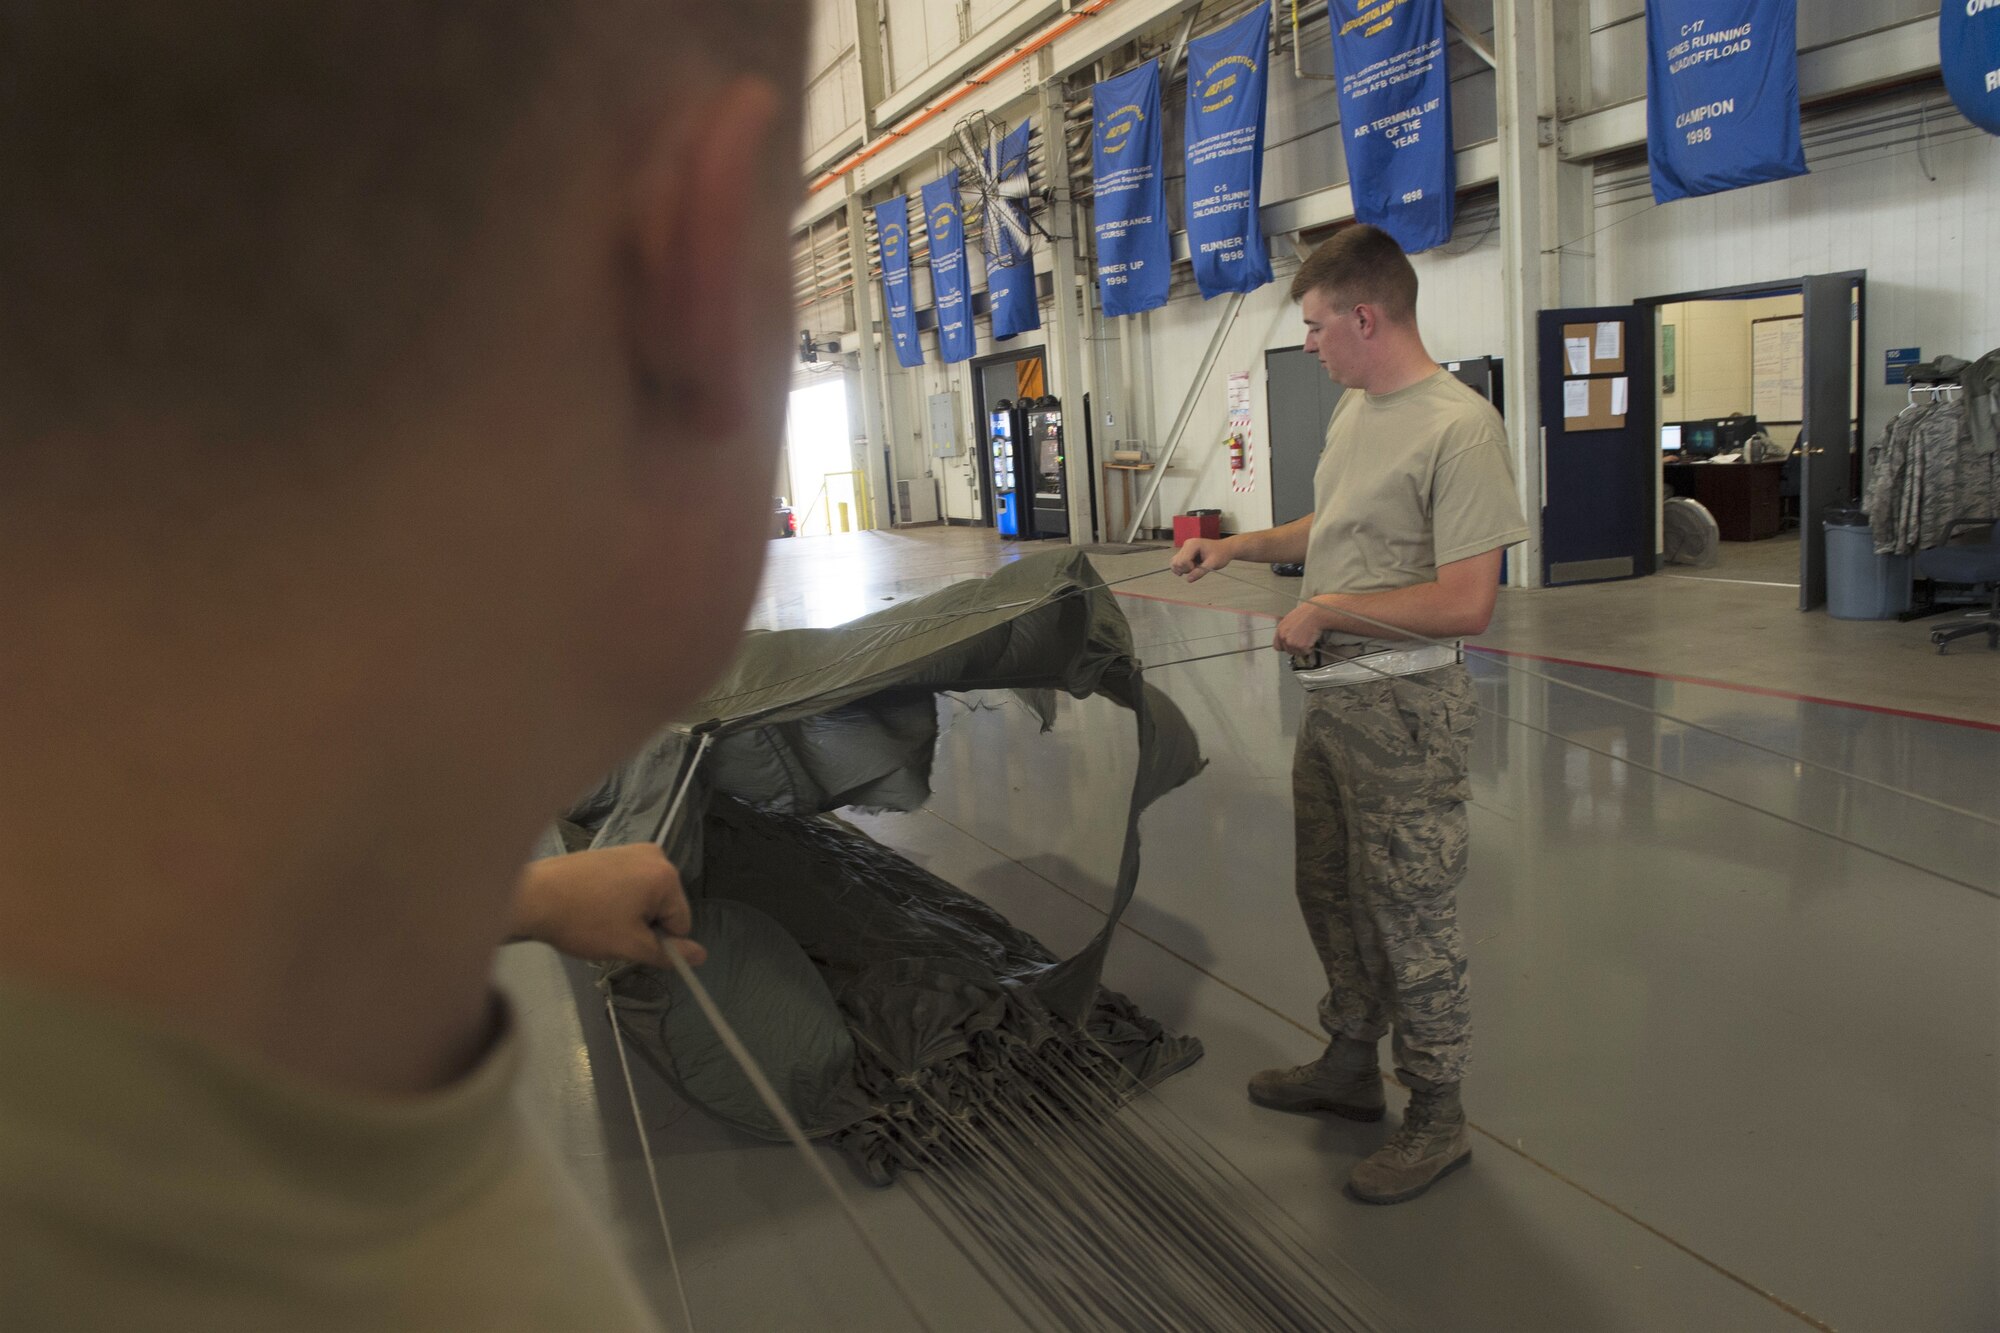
[1826, 441]
[1301, 399]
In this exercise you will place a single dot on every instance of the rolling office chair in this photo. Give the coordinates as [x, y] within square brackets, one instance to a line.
[1970, 564]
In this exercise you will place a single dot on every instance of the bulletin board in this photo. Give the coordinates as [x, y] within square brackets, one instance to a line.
[1603, 348]
[1778, 369]
[1596, 391]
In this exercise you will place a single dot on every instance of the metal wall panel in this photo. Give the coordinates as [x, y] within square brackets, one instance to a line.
[833, 82]
[1618, 36]
[921, 33]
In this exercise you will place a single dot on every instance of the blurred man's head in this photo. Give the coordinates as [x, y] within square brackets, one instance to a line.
[1357, 293]
[433, 350]
[389, 398]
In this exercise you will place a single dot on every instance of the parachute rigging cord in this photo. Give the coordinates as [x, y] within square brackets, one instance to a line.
[1418, 682]
[1511, 667]
[1077, 1216]
[1066, 1187]
[753, 1072]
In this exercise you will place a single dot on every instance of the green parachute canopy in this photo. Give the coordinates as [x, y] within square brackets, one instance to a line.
[863, 984]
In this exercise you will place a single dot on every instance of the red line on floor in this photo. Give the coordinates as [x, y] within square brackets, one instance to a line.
[1745, 689]
[1636, 671]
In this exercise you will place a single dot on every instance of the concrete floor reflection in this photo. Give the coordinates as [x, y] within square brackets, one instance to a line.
[1730, 1072]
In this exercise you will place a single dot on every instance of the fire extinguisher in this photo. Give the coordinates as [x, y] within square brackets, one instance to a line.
[1236, 459]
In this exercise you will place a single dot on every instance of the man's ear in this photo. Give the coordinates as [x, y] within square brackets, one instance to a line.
[699, 254]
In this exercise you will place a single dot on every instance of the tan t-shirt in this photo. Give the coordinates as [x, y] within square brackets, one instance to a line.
[150, 1181]
[1409, 481]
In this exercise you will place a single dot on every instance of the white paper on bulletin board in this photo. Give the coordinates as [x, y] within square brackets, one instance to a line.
[1778, 368]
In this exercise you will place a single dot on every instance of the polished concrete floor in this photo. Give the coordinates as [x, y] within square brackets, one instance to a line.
[1738, 1012]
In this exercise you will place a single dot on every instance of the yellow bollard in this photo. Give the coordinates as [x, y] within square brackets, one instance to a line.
[843, 516]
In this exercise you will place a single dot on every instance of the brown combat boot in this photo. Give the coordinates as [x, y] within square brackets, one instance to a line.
[1346, 1081]
[1432, 1143]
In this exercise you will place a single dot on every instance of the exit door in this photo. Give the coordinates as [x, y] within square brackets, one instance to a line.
[1600, 443]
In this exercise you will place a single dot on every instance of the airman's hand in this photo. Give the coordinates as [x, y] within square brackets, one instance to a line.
[1200, 556]
[607, 904]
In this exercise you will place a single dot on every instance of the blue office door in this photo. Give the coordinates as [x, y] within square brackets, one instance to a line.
[1600, 467]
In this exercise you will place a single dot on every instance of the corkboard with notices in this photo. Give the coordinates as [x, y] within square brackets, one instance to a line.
[1596, 391]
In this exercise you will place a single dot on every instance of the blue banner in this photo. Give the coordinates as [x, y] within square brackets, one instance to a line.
[1395, 117]
[892, 236]
[1134, 261]
[1969, 55]
[1011, 298]
[946, 229]
[1225, 155]
[1722, 95]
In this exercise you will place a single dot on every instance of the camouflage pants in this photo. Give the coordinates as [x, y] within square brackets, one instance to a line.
[1379, 787]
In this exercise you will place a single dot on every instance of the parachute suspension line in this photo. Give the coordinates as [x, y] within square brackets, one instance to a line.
[783, 1115]
[751, 1071]
[1418, 682]
[652, 1168]
[681, 788]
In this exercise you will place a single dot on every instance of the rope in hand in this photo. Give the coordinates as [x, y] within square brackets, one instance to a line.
[1504, 663]
[1516, 668]
[752, 1071]
[1689, 723]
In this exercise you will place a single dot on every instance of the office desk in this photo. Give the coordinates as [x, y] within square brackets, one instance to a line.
[1743, 496]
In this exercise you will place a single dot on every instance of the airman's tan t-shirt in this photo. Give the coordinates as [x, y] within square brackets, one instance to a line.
[148, 1181]
[1409, 481]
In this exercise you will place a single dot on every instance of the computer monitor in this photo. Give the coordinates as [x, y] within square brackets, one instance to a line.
[1698, 439]
[1732, 433]
[1670, 439]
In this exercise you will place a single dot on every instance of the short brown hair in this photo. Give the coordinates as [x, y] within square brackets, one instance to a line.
[1362, 265]
[246, 213]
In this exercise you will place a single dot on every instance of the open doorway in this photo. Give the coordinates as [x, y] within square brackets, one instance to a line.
[1758, 396]
[819, 460]
[1731, 384]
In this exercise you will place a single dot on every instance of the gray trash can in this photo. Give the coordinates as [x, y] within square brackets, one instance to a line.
[1861, 585]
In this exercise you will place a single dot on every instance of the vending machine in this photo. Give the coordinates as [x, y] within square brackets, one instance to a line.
[1007, 451]
[1045, 436]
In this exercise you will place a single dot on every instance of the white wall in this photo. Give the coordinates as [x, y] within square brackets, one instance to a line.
[1459, 301]
[1925, 245]
[1458, 309]
[1618, 36]
[928, 40]
[834, 101]
[909, 410]
[1301, 132]
[1712, 351]
[908, 391]
[1869, 204]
